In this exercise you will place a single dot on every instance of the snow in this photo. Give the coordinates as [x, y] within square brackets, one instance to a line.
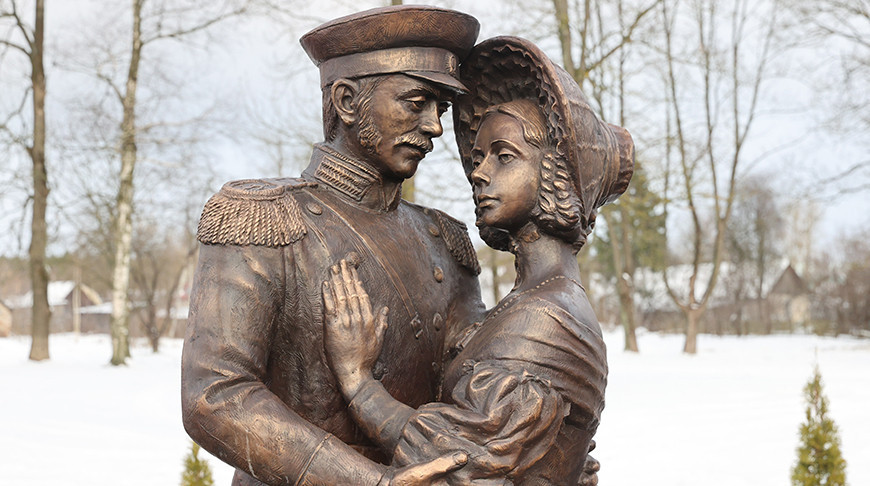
[727, 416]
[58, 291]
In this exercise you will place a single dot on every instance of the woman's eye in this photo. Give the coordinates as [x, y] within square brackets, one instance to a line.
[475, 160]
[505, 158]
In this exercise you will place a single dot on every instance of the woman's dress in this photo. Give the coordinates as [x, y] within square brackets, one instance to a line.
[523, 395]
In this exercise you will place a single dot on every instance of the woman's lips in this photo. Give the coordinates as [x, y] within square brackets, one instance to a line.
[485, 201]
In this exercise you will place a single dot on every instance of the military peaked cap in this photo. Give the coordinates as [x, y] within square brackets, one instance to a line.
[419, 41]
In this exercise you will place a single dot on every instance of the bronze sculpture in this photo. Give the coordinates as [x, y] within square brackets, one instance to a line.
[257, 389]
[523, 394]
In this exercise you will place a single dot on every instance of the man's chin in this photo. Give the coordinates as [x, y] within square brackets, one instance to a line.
[407, 169]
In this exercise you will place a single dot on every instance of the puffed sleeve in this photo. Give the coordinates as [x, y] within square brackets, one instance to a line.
[531, 383]
[505, 418]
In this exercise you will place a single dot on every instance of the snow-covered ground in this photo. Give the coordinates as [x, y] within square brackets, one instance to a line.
[728, 416]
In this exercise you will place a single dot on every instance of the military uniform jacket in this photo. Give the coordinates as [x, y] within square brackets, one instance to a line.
[256, 388]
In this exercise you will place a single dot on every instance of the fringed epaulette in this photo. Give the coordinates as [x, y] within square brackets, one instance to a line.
[455, 234]
[258, 212]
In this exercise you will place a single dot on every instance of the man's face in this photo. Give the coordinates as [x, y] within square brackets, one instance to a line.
[398, 122]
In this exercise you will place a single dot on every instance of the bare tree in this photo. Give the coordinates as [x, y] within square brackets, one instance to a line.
[598, 41]
[282, 133]
[160, 262]
[713, 91]
[842, 27]
[31, 43]
[753, 242]
[153, 22]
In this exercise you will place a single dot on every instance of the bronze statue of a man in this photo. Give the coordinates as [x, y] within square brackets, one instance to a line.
[257, 390]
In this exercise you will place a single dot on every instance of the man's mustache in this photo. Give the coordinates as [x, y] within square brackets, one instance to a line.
[419, 141]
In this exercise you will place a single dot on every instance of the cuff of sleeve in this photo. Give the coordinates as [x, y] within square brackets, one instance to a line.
[380, 415]
[334, 462]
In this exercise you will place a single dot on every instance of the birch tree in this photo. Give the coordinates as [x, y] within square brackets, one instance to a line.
[152, 23]
[29, 40]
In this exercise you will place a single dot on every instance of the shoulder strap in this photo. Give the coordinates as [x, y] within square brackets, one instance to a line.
[259, 212]
[456, 236]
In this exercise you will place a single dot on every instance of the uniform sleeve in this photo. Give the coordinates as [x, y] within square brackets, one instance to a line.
[505, 418]
[227, 408]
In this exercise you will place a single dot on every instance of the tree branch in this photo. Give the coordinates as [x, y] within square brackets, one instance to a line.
[196, 28]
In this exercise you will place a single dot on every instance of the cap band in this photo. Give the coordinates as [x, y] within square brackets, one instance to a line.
[387, 61]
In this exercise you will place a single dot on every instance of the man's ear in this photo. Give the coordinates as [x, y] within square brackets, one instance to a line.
[343, 93]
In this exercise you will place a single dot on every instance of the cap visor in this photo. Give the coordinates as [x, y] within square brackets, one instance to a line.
[441, 79]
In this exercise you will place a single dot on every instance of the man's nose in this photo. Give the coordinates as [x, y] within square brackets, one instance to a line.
[430, 122]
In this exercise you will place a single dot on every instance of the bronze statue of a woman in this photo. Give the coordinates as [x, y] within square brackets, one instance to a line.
[523, 390]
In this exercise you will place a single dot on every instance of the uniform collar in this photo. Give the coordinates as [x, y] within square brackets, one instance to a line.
[355, 179]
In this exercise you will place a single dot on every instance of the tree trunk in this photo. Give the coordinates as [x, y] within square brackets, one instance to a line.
[693, 318]
[153, 329]
[564, 31]
[627, 315]
[40, 315]
[620, 246]
[124, 224]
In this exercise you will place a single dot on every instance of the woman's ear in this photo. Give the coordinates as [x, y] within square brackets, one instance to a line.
[343, 92]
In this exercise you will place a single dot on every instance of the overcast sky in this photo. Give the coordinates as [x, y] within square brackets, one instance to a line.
[258, 65]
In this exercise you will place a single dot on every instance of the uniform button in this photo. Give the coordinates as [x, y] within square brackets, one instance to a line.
[314, 208]
[434, 231]
[439, 274]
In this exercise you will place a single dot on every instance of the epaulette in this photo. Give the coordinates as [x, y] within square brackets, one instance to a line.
[455, 235]
[258, 212]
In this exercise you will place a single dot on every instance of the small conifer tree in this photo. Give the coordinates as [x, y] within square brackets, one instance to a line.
[820, 462]
[196, 470]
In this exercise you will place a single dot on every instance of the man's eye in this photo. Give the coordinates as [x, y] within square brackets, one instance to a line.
[417, 103]
[442, 108]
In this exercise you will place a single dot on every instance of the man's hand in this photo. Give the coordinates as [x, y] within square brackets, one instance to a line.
[352, 334]
[426, 473]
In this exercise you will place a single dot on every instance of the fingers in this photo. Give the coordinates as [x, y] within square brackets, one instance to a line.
[364, 302]
[426, 472]
[328, 300]
[350, 289]
[340, 296]
[382, 324]
[351, 304]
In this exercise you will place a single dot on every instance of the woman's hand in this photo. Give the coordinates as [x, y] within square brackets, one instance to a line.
[352, 334]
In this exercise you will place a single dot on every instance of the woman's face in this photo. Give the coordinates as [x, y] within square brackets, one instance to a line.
[506, 174]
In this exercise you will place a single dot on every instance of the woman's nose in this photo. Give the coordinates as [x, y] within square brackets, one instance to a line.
[478, 176]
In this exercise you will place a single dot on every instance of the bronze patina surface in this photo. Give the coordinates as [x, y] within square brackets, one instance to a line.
[336, 331]
[257, 390]
[523, 391]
